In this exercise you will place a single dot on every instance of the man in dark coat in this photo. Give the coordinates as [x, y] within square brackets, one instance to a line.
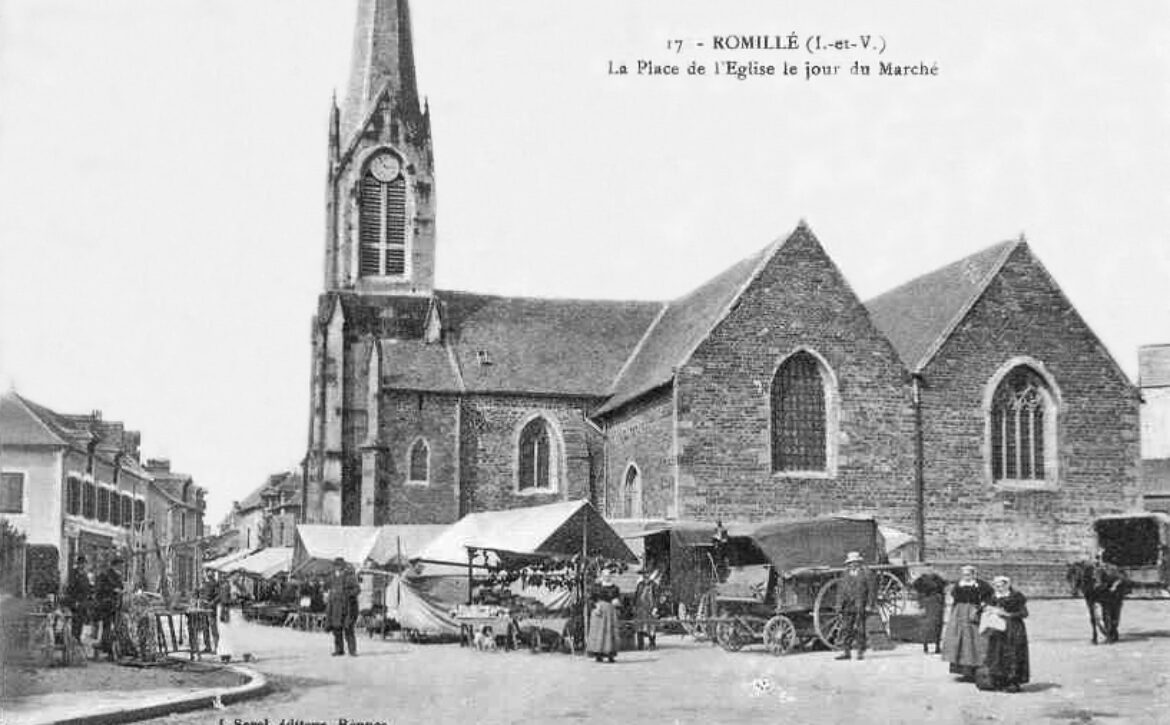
[108, 602]
[931, 590]
[856, 596]
[341, 610]
[79, 595]
[646, 597]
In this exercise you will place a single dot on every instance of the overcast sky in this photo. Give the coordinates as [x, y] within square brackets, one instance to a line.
[162, 169]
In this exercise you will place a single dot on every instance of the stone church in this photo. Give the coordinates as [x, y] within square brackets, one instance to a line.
[972, 405]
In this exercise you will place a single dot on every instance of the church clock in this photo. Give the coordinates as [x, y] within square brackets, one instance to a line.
[385, 167]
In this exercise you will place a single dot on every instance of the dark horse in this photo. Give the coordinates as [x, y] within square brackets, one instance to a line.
[1105, 586]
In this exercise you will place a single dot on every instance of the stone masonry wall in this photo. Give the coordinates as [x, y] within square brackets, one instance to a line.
[405, 417]
[642, 434]
[1023, 314]
[799, 300]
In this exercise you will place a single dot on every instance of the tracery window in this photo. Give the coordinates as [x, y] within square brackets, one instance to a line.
[1022, 416]
[799, 416]
[535, 456]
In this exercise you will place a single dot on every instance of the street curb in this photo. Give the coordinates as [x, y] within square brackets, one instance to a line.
[256, 686]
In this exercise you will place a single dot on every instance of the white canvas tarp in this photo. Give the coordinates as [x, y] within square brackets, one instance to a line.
[415, 609]
[317, 545]
[227, 560]
[558, 529]
[265, 563]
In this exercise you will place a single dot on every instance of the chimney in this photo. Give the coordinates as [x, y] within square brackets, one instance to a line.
[158, 465]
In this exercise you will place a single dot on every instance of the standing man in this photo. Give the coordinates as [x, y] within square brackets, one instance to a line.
[855, 597]
[341, 610]
[79, 595]
[646, 608]
[108, 602]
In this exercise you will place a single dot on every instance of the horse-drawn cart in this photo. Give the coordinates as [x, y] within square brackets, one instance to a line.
[776, 583]
[1139, 545]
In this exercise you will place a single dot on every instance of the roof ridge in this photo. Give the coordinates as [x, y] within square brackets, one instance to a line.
[533, 298]
[992, 272]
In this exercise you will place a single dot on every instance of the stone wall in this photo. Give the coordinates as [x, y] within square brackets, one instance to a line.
[642, 434]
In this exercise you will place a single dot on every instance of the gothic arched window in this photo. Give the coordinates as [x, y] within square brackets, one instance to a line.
[535, 466]
[420, 462]
[382, 218]
[1022, 427]
[799, 416]
[632, 493]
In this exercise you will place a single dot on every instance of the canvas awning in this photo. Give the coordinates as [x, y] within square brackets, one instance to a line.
[227, 559]
[554, 530]
[264, 563]
[317, 545]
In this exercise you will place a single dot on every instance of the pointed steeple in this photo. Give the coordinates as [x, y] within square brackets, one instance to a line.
[334, 132]
[383, 56]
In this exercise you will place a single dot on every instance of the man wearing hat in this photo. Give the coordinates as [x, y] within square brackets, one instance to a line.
[108, 602]
[855, 597]
[79, 595]
[646, 597]
[341, 610]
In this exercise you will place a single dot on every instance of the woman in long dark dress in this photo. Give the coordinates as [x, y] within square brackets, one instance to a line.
[601, 638]
[1007, 649]
[961, 645]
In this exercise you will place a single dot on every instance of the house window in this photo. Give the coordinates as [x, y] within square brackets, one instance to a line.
[11, 492]
[1022, 427]
[382, 219]
[103, 503]
[139, 511]
[127, 511]
[73, 496]
[632, 493]
[799, 417]
[89, 500]
[420, 464]
[535, 454]
[115, 508]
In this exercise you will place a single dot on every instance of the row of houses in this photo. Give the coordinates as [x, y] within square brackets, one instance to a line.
[77, 484]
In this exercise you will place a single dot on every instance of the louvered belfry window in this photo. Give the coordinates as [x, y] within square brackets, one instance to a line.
[798, 416]
[1018, 416]
[382, 226]
[534, 456]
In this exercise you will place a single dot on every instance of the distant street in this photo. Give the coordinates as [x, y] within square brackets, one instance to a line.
[686, 682]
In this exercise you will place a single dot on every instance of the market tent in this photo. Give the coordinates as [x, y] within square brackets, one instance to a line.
[552, 530]
[317, 545]
[416, 608]
[227, 559]
[265, 563]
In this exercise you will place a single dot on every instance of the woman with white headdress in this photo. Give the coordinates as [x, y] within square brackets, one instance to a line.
[961, 645]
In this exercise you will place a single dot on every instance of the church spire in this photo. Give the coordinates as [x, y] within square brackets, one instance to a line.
[383, 57]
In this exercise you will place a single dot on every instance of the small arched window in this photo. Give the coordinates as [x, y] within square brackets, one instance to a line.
[420, 462]
[1022, 427]
[382, 218]
[535, 456]
[632, 493]
[799, 416]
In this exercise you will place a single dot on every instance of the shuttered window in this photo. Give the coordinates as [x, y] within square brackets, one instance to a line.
[420, 462]
[73, 496]
[798, 416]
[382, 227]
[139, 511]
[103, 503]
[115, 508]
[534, 456]
[89, 500]
[127, 511]
[11, 492]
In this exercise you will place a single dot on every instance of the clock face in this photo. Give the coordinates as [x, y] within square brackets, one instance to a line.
[385, 167]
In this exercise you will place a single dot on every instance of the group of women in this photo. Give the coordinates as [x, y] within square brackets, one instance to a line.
[985, 640]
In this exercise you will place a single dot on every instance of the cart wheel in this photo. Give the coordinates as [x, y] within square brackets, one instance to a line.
[728, 636]
[780, 635]
[826, 619]
[892, 597]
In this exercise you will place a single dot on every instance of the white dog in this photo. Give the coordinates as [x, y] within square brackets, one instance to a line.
[485, 640]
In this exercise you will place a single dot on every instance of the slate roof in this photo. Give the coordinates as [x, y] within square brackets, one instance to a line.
[25, 423]
[549, 346]
[918, 316]
[682, 326]
[1154, 366]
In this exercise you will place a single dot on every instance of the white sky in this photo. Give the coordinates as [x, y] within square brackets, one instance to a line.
[162, 172]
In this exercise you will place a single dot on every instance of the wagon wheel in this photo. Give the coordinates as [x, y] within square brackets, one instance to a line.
[728, 635]
[780, 635]
[892, 597]
[826, 619]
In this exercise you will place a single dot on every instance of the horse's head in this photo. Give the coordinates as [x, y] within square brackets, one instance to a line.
[1079, 575]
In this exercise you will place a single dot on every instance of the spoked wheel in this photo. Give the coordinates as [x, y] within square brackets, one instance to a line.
[826, 618]
[728, 636]
[892, 597]
[780, 635]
